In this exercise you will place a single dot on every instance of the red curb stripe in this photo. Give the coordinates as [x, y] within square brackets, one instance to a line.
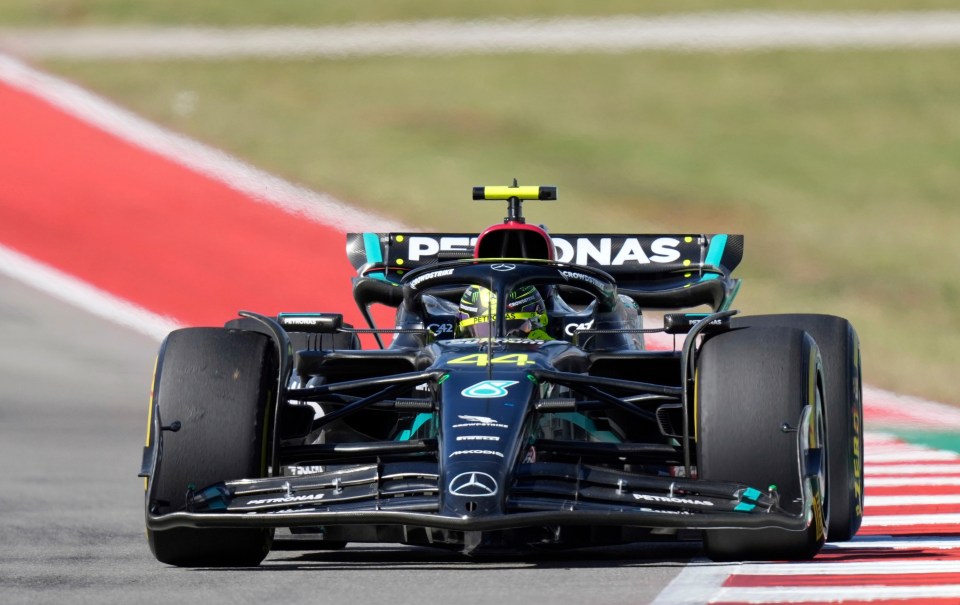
[154, 232]
[922, 509]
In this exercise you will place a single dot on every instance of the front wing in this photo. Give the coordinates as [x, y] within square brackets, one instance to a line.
[407, 493]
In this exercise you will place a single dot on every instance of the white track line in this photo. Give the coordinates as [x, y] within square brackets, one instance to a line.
[81, 294]
[896, 481]
[912, 500]
[732, 31]
[847, 569]
[912, 469]
[883, 542]
[908, 520]
[216, 164]
[911, 455]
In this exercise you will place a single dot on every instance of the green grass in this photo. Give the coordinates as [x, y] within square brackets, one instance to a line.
[841, 168]
[319, 12]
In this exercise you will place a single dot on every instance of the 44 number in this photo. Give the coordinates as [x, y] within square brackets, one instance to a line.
[482, 360]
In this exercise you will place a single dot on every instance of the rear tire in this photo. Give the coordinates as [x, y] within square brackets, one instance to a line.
[843, 401]
[751, 382]
[218, 384]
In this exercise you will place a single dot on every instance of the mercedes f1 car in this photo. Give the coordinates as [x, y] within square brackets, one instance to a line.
[514, 404]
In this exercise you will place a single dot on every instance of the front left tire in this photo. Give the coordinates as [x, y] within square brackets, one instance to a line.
[218, 384]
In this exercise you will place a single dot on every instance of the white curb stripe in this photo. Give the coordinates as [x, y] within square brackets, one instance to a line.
[909, 481]
[872, 543]
[76, 292]
[907, 520]
[909, 455]
[848, 569]
[912, 469]
[833, 594]
[912, 500]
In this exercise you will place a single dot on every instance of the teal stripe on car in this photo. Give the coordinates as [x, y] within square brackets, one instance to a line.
[715, 254]
[588, 425]
[371, 246]
[420, 420]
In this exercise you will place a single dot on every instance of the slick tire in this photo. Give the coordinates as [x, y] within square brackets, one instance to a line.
[217, 383]
[752, 387]
[843, 401]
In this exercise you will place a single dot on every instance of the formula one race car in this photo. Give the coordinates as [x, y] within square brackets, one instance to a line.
[517, 406]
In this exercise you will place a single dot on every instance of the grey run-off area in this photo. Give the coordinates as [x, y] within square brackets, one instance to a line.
[714, 32]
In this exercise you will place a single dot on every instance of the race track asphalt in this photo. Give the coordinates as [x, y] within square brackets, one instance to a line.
[73, 397]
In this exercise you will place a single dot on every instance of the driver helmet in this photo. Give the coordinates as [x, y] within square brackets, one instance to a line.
[525, 312]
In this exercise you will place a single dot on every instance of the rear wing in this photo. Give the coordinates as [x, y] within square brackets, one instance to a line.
[671, 271]
[634, 260]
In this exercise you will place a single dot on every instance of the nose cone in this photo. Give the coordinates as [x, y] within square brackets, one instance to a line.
[482, 421]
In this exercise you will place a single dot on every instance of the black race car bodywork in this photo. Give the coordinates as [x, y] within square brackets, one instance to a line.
[749, 429]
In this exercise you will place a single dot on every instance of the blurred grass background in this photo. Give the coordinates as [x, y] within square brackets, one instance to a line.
[840, 167]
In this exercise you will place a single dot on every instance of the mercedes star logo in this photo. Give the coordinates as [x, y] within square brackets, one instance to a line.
[503, 267]
[473, 485]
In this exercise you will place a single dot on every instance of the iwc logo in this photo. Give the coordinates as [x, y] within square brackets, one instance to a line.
[473, 485]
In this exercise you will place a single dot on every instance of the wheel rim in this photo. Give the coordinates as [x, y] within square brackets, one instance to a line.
[813, 458]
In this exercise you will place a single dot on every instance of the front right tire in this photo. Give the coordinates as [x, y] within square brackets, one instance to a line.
[843, 401]
[759, 417]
